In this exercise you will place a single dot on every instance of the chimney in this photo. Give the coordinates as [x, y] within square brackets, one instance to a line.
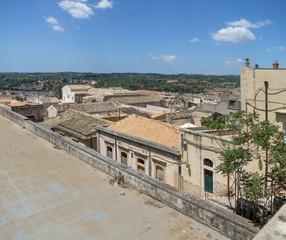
[275, 65]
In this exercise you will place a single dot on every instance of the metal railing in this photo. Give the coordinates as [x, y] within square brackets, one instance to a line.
[220, 193]
[224, 196]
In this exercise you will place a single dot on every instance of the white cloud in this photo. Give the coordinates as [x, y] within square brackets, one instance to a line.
[51, 20]
[232, 62]
[238, 31]
[103, 4]
[281, 48]
[58, 28]
[194, 40]
[168, 58]
[55, 24]
[246, 24]
[76, 9]
[151, 56]
[234, 35]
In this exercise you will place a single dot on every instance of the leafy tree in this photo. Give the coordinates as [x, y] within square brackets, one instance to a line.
[253, 140]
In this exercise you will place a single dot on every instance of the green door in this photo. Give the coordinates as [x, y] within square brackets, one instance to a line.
[208, 181]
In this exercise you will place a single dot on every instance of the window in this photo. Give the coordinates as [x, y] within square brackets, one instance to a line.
[140, 165]
[124, 158]
[109, 151]
[231, 103]
[208, 162]
[208, 176]
[160, 174]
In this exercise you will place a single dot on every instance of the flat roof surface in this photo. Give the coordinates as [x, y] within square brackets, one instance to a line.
[45, 193]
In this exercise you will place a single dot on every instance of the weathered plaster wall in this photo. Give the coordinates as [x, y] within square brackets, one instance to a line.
[251, 80]
[230, 224]
[197, 147]
[149, 154]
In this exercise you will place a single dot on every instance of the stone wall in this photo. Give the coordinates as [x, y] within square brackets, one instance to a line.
[224, 221]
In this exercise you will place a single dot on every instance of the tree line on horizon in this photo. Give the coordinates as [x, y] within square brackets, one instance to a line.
[178, 83]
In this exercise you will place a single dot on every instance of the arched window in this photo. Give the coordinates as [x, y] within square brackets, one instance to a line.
[208, 176]
[208, 162]
[109, 152]
[124, 158]
[140, 165]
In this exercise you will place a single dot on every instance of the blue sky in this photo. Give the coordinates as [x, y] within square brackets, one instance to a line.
[145, 36]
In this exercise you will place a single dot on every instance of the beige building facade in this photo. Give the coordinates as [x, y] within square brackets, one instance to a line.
[136, 142]
[74, 93]
[201, 154]
[263, 90]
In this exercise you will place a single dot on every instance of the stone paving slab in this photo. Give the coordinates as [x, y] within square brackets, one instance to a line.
[46, 193]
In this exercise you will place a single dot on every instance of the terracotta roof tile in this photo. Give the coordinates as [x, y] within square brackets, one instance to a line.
[93, 108]
[137, 99]
[83, 123]
[150, 92]
[19, 104]
[79, 87]
[148, 129]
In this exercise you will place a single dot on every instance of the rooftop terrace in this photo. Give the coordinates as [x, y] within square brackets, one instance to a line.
[45, 193]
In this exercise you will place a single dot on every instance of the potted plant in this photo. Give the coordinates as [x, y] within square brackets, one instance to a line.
[246, 62]
[275, 65]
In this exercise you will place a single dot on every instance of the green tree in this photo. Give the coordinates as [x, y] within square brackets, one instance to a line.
[253, 140]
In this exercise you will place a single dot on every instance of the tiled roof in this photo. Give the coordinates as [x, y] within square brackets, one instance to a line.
[79, 87]
[158, 115]
[131, 110]
[19, 104]
[202, 113]
[99, 93]
[137, 99]
[93, 108]
[82, 123]
[149, 92]
[61, 107]
[148, 129]
[189, 114]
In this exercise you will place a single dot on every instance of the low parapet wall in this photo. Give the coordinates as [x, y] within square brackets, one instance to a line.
[226, 222]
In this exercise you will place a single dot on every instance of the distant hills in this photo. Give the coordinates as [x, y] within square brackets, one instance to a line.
[181, 83]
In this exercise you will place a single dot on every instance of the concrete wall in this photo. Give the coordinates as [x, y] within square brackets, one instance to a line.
[275, 229]
[220, 107]
[230, 224]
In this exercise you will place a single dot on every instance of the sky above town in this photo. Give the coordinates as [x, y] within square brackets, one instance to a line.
[142, 36]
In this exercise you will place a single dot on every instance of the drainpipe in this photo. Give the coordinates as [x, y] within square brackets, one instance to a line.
[266, 153]
[115, 148]
[180, 162]
[98, 142]
[150, 163]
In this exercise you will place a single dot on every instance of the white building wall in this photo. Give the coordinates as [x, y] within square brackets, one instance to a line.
[52, 111]
[170, 166]
[67, 95]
